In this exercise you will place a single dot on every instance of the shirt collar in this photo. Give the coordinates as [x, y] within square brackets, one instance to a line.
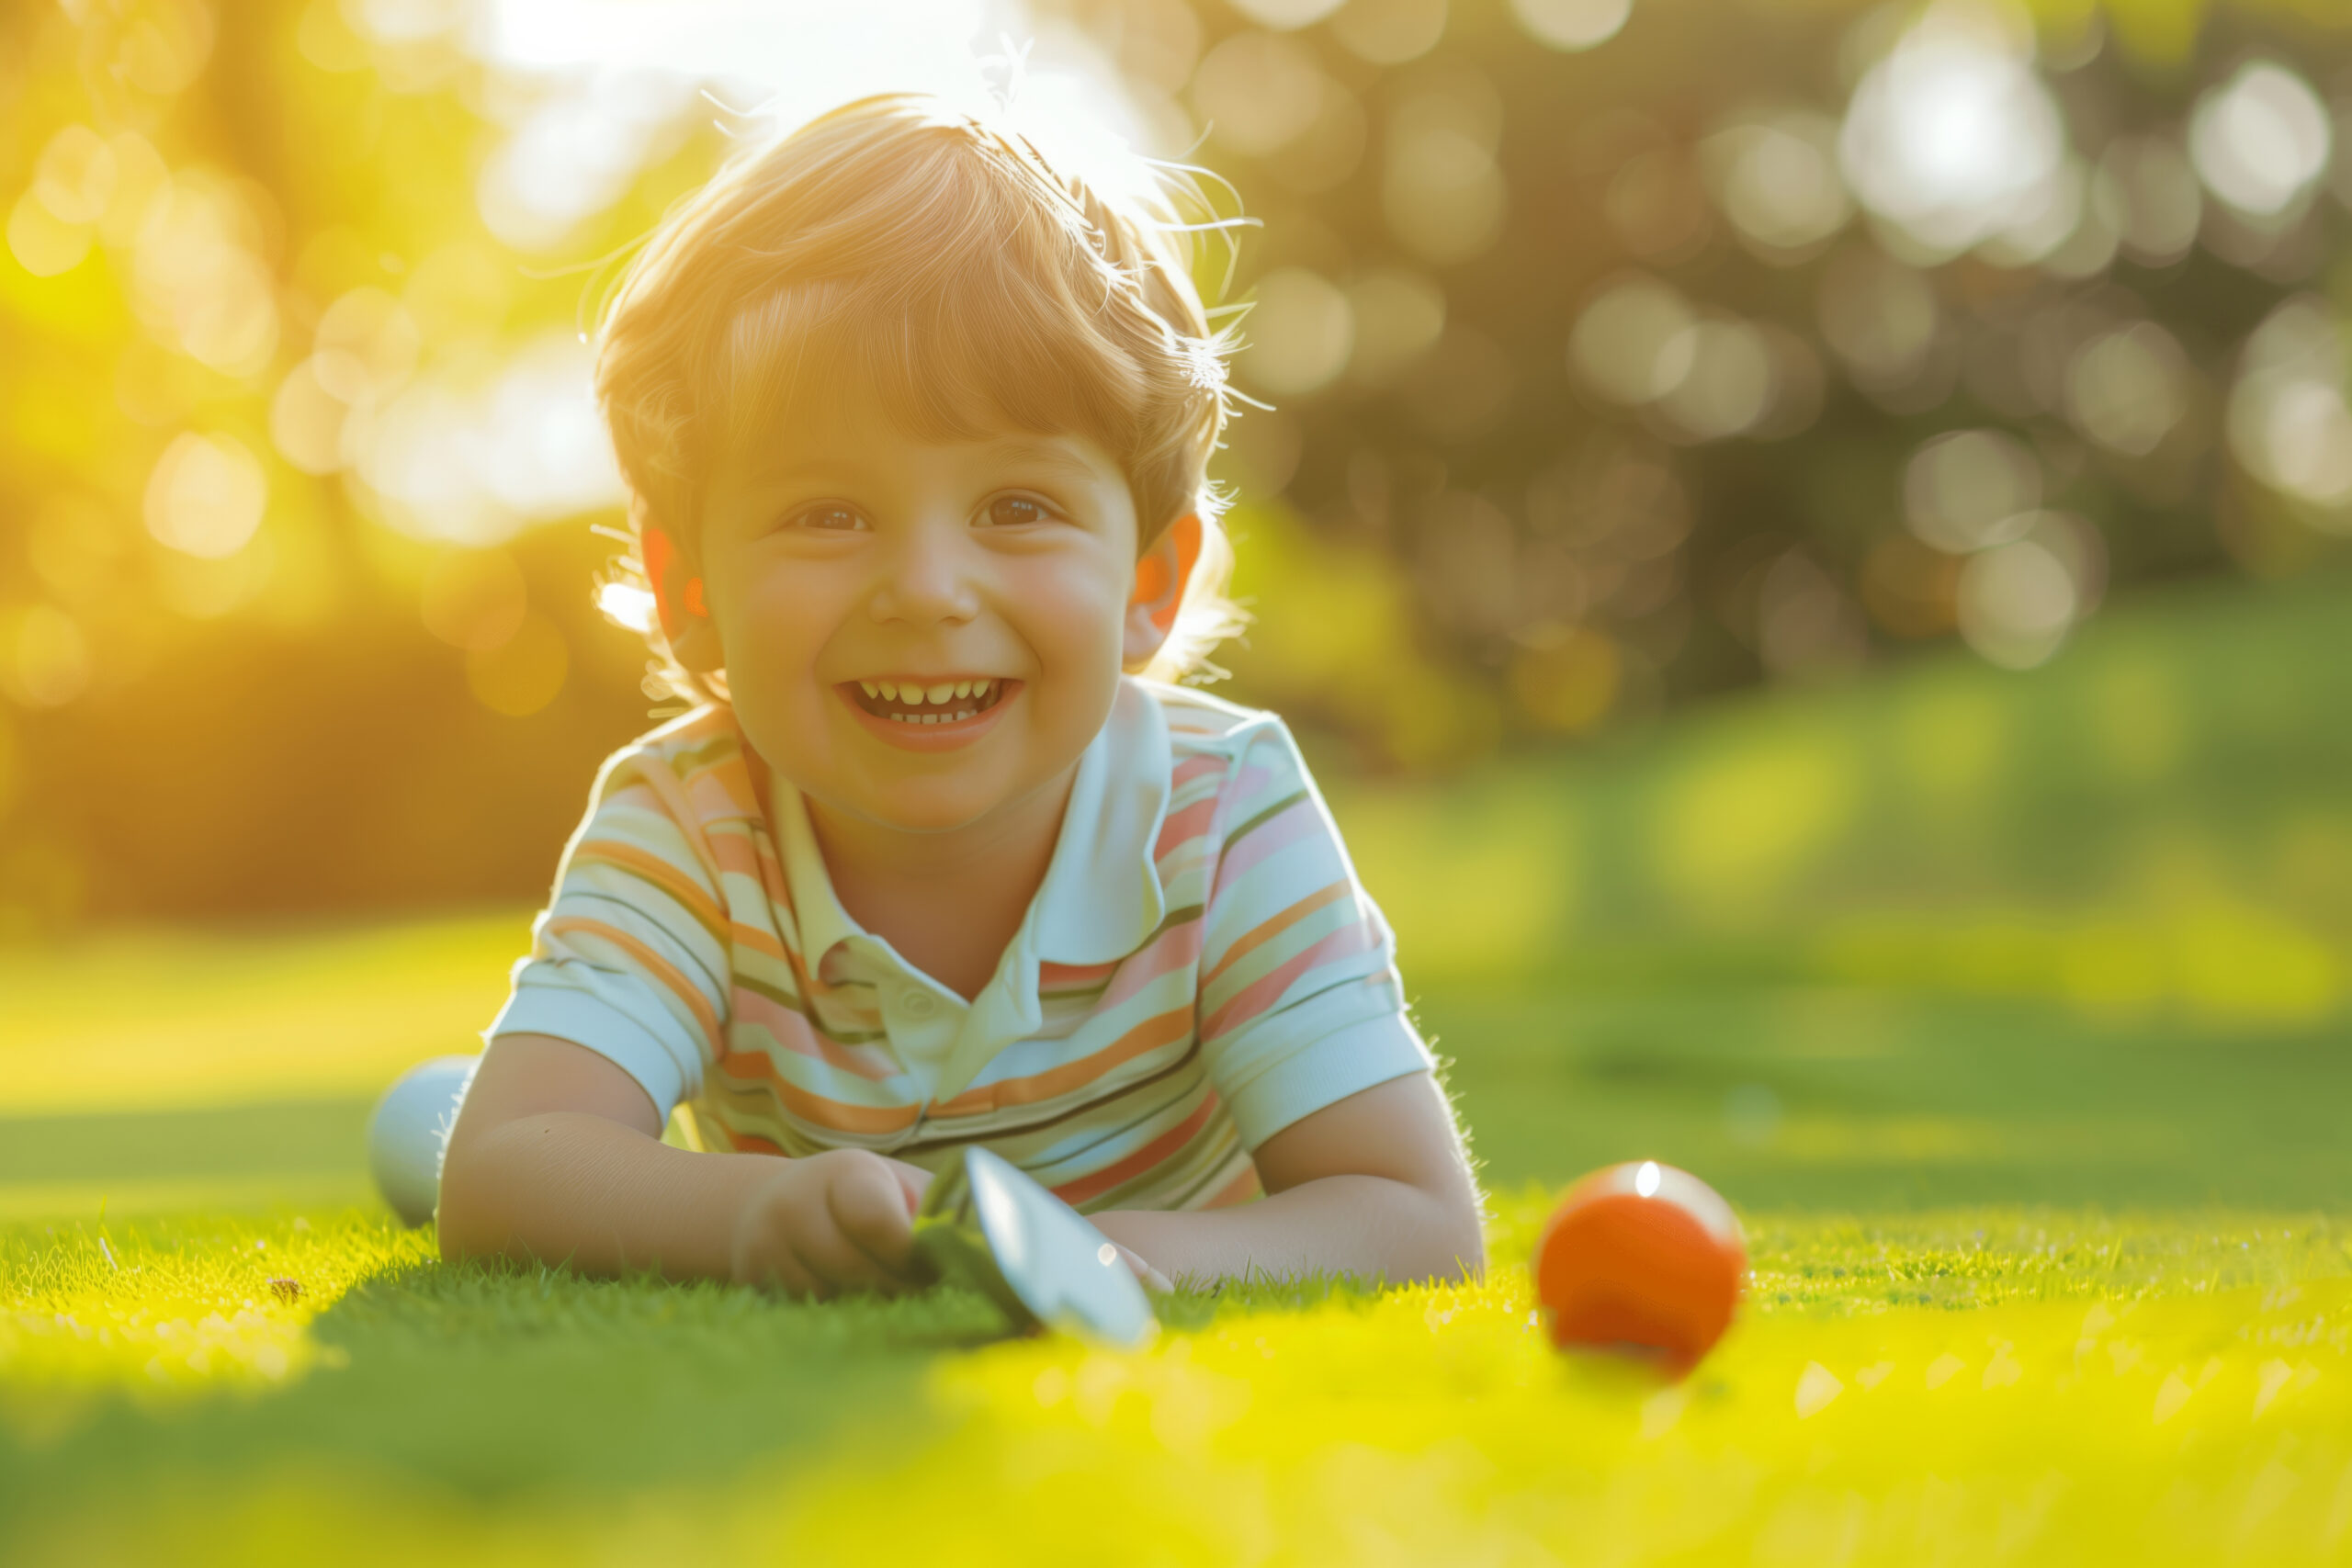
[1102, 895]
[816, 908]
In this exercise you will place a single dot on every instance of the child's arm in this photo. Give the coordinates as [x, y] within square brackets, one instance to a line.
[557, 1157]
[1375, 1184]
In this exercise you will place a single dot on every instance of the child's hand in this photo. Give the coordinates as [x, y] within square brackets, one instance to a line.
[840, 1221]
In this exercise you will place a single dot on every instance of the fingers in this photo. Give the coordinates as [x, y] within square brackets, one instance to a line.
[836, 1263]
[828, 1224]
[869, 1201]
[914, 1180]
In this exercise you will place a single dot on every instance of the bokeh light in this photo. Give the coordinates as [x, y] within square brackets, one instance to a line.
[1389, 32]
[1969, 489]
[305, 421]
[366, 345]
[1635, 342]
[1730, 383]
[205, 496]
[1301, 329]
[1441, 190]
[460, 458]
[2262, 140]
[576, 153]
[2146, 194]
[1533, 286]
[2017, 602]
[2288, 420]
[1286, 15]
[1258, 91]
[43, 243]
[1953, 137]
[1572, 25]
[2129, 387]
[1776, 178]
[73, 177]
[51, 225]
[200, 283]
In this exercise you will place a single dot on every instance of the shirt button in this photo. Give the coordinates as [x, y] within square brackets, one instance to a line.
[918, 1003]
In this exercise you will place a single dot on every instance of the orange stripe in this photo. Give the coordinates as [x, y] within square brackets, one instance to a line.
[662, 873]
[838, 1115]
[1240, 1190]
[763, 942]
[753, 1144]
[1149, 1035]
[652, 961]
[680, 808]
[1143, 1159]
[1272, 927]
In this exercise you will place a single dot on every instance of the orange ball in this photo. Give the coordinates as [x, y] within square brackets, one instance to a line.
[1641, 1256]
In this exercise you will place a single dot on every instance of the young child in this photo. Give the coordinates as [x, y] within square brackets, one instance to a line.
[915, 426]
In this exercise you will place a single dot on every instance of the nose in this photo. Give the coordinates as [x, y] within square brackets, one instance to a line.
[926, 578]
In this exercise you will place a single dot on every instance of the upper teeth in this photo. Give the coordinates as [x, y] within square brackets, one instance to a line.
[938, 692]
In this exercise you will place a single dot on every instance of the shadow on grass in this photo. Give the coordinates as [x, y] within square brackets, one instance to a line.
[491, 1380]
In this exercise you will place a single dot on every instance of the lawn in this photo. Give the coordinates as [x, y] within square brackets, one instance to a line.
[2017, 1031]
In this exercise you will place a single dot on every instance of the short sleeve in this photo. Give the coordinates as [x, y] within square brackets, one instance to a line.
[630, 957]
[1300, 1003]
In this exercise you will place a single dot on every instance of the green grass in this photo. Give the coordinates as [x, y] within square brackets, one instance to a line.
[2017, 1031]
[2163, 1386]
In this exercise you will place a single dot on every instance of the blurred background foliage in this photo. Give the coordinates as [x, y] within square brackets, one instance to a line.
[1621, 354]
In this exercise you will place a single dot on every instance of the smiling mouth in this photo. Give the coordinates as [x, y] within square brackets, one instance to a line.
[929, 703]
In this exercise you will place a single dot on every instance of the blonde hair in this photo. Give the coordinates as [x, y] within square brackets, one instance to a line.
[953, 270]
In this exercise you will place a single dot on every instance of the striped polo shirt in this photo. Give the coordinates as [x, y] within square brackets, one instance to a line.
[1198, 970]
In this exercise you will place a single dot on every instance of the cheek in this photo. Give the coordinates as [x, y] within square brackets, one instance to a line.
[775, 626]
[1070, 612]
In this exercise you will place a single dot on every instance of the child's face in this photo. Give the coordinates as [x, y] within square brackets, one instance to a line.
[847, 560]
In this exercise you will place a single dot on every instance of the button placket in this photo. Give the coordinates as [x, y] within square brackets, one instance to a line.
[917, 1005]
[912, 1130]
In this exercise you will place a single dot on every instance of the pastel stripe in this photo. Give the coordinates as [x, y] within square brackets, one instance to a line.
[1128, 1081]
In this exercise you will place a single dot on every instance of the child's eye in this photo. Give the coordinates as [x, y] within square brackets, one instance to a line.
[1014, 511]
[828, 517]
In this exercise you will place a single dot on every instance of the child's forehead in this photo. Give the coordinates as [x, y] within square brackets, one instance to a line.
[845, 443]
[860, 436]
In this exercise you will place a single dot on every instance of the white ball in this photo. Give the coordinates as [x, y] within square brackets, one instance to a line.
[407, 1130]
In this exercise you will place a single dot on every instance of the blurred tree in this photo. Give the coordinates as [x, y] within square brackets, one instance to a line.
[1620, 351]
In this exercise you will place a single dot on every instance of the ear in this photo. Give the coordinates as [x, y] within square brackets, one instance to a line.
[1161, 576]
[687, 625]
